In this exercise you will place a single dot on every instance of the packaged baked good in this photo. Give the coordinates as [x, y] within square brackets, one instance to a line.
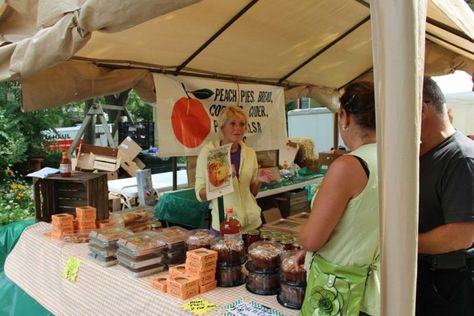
[291, 296]
[76, 237]
[103, 261]
[174, 237]
[104, 252]
[230, 276]
[141, 243]
[107, 237]
[262, 283]
[140, 261]
[135, 219]
[230, 251]
[199, 238]
[265, 255]
[145, 271]
[289, 272]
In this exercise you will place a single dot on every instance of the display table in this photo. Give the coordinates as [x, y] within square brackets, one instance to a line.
[162, 182]
[37, 262]
[289, 187]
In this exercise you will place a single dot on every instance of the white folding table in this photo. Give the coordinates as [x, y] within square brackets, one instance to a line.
[162, 182]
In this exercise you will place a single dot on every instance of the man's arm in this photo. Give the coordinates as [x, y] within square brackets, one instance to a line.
[446, 238]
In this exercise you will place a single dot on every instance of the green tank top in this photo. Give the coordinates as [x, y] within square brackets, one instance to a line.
[355, 239]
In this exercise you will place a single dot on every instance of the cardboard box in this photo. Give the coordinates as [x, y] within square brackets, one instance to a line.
[130, 167]
[271, 214]
[201, 257]
[176, 271]
[92, 157]
[128, 149]
[160, 283]
[115, 202]
[207, 287]
[327, 157]
[191, 169]
[267, 158]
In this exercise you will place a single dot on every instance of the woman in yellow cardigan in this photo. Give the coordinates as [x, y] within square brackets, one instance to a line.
[247, 178]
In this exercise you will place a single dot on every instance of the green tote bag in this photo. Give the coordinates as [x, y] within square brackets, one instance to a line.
[334, 290]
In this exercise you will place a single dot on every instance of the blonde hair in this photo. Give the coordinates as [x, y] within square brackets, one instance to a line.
[229, 111]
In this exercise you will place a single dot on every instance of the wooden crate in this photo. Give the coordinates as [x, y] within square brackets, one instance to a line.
[56, 194]
[292, 202]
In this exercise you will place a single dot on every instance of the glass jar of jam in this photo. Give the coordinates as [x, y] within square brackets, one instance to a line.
[287, 244]
[251, 237]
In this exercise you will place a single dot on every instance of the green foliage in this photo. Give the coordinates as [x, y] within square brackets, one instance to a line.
[20, 132]
[13, 144]
[16, 199]
[139, 110]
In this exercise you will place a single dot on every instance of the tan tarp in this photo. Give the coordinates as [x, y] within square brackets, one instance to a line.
[316, 46]
[85, 48]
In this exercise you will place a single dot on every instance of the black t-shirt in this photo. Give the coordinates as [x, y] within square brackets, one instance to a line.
[447, 183]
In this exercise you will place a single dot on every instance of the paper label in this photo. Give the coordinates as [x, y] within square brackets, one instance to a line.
[198, 306]
[71, 269]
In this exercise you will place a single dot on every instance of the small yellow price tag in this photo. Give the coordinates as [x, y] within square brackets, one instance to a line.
[71, 269]
[198, 306]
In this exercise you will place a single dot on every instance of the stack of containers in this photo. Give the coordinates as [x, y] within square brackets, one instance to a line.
[141, 254]
[85, 217]
[292, 282]
[199, 238]
[174, 237]
[230, 260]
[103, 244]
[201, 263]
[61, 224]
[197, 275]
[264, 267]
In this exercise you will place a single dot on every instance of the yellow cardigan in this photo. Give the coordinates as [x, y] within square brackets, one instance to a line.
[242, 199]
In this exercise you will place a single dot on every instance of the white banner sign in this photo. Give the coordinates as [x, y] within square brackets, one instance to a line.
[188, 107]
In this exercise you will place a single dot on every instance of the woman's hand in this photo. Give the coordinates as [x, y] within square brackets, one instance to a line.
[299, 260]
[264, 176]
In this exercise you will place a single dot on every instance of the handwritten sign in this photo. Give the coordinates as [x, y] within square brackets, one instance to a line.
[71, 269]
[251, 308]
[198, 306]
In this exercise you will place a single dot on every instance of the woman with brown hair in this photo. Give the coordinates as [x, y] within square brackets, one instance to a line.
[343, 227]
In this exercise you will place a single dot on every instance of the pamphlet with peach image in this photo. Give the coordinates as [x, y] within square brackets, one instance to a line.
[219, 172]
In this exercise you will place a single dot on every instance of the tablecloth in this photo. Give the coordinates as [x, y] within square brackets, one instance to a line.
[37, 262]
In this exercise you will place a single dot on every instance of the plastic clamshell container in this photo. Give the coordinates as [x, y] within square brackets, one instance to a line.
[129, 262]
[103, 252]
[199, 238]
[103, 261]
[140, 244]
[265, 255]
[76, 237]
[230, 251]
[230, 276]
[289, 273]
[107, 237]
[291, 296]
[146, 271]
[174, 236]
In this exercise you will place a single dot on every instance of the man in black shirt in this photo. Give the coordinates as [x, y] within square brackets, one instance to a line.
[445, 284]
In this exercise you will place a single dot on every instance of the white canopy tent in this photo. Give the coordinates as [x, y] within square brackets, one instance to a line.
[77, 49]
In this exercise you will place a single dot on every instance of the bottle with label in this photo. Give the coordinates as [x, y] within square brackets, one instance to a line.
[65, 166]
[230, 227]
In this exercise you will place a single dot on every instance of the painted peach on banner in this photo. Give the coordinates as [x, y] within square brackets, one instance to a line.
[190, 121]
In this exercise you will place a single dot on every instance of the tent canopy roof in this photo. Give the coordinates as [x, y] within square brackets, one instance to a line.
[324, 44]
